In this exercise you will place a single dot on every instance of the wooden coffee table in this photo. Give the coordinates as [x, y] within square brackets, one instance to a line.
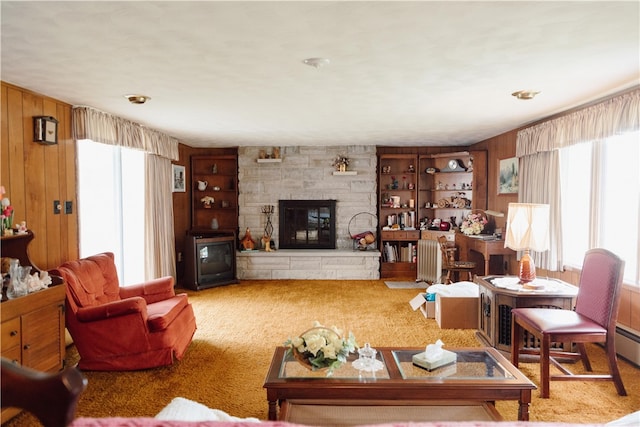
[479, 375]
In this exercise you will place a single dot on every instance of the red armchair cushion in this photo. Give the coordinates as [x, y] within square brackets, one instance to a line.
[111, 309]
[152, 291]
[161, 314]
[94, 280]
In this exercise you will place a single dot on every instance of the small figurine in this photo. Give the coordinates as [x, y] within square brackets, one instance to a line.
[266, 242]
[22, 228]
[247, 242]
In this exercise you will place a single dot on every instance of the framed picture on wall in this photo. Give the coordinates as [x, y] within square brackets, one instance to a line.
[179, 185]
[508, 176]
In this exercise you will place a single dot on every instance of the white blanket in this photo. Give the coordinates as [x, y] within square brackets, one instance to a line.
[181, 409]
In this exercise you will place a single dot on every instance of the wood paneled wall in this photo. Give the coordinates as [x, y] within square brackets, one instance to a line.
[34, 175]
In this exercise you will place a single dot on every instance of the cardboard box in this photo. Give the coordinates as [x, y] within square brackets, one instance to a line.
[457, 312]
[427, 308]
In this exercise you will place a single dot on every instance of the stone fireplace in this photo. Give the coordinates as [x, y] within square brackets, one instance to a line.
[305, 173]
[307, 224]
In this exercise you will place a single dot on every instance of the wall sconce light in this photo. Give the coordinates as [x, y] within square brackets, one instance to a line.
[45, 130]
[527, 229]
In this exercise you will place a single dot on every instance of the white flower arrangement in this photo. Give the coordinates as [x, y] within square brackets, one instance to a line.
[321, 347]
[473, 224]
[208, 200]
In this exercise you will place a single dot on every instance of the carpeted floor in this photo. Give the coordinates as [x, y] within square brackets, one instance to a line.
[239, 326]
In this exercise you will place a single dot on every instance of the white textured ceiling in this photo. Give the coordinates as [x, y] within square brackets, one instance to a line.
[401, 73]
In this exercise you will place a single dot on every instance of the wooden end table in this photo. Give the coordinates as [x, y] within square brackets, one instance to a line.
[500, 294]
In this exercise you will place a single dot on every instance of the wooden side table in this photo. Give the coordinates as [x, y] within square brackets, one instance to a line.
[498, 296]
[486, 248]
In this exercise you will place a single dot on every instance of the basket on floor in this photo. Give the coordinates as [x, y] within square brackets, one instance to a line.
[362, 231]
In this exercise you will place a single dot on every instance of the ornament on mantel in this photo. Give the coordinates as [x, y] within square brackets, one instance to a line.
[247, 242]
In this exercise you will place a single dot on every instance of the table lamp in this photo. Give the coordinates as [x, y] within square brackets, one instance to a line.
[527, 229]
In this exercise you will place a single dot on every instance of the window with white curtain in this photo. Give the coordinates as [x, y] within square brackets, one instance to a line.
[600, 192]
[111, 206]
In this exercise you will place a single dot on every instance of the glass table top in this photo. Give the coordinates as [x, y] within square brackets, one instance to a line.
[470, 364]
[291, 368]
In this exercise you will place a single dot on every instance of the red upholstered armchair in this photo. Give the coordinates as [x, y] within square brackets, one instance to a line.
[128, 328]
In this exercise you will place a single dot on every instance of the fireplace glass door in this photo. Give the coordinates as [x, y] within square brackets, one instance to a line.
[307, 224]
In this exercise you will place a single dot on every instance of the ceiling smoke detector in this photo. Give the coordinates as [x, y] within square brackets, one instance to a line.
[316, 62]
[525, 94]
[137, 99]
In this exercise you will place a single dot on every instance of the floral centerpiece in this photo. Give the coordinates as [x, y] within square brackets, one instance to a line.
[473, 224]
[207, 201]
[321, 348]
[341, 163]
[7, 212]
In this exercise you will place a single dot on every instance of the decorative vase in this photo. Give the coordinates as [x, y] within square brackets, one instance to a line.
[214, 223]
[342, 167]
[17, 286]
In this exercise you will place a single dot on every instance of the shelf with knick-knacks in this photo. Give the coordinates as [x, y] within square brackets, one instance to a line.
[214, 194]
[446, 184]
[397, 215]
[272, 156]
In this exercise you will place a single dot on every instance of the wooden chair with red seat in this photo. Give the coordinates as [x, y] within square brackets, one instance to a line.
[450, 263]
[593, 320]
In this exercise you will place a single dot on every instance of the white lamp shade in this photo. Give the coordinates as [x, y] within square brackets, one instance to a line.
[527, 227]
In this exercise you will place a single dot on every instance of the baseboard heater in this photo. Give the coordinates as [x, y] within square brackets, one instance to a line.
[628, 344]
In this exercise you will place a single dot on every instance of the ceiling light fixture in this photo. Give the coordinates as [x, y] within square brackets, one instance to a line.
[316, 62]
[525, 94]
[137, 99]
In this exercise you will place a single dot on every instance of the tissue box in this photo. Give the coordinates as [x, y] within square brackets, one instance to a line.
[457, 312]
[448, 358]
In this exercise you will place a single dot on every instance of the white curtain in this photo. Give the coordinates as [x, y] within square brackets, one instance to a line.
[537, 147]
[541, 173]
[89, 123]
[159, 231]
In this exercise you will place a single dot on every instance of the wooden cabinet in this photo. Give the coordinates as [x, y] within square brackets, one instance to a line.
[33, 332]
[415, 189]
[214, 176]
[450, 194]
[398, 220]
